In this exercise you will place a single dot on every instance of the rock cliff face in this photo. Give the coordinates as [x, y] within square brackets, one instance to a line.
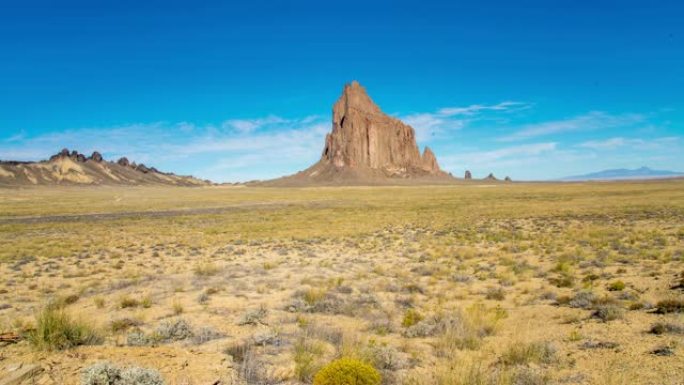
[367, 146]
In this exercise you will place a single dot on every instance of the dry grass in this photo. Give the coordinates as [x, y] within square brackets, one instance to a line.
[512, 284]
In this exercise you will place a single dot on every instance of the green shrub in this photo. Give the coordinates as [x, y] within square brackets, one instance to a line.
[127, 302]
[56, 330]
[347, 371]
[411, 317]
[616, 286]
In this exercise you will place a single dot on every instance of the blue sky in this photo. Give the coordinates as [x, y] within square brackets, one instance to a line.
[234, 91]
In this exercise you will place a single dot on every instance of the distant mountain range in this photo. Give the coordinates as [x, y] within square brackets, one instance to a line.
[625, 173]
[74, 168]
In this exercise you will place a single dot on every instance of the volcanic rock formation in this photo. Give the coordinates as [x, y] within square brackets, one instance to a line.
[74, 168]
[368, 146]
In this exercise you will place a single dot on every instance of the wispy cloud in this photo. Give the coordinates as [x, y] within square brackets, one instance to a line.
[448, 119]
[15, 138]
[272, 146]
[476, 158]
[233, 150]
[636, 143]
[249, 125]
[595, 120]
[474, 109]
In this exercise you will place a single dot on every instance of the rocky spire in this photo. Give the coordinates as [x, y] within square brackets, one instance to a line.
[364, 137]
[430, 161]
[97, 157]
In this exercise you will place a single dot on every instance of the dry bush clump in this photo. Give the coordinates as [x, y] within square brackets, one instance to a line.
[55, 329]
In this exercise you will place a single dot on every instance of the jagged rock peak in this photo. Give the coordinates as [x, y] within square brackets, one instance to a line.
[123, 161]
[65, 153]
[468, 175]
[508, 179]
[490, 177]
[354, 96]
[363, 137]
[96, 156]
[430, 161]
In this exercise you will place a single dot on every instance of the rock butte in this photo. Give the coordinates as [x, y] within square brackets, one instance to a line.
[368, 146]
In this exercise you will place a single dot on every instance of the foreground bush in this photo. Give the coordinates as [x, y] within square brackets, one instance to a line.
[347, 371]
[104, 373]
[56, 330]
[524, 353]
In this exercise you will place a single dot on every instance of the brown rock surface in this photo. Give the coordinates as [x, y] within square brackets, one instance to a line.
[97, 157]
[366, 145]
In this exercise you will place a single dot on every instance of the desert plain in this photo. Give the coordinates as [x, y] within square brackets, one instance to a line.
[470, 283]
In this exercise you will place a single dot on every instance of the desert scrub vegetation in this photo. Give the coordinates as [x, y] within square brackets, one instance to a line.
[670, 305]
[522, 353]
[414, 287]
[206, 269]
[411, 317]
[474, 371]
[55, 329]
[347, 371]
[466, 329]
[307, 355]
[105, 373]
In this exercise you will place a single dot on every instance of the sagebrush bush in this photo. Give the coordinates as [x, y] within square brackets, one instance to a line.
[253, 316]
[176, 330]
[608, 312]
[57, 330]
[347, 371]
[105, 373]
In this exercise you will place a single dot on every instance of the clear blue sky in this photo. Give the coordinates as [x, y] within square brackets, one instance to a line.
[240, 90]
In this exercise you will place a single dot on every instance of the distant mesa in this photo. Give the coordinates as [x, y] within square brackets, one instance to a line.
[366, 146]
[626, 174]
[468, 175]
[73, 168]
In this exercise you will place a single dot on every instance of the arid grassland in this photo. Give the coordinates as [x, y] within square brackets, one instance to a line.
[524, 284]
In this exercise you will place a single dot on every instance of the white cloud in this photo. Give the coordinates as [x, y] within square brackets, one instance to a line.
[474, 109]
[257, 146]
[16, 137]
[636, 143]
[249, 125]
[595, 120]
[449, 119]
[491, 156]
